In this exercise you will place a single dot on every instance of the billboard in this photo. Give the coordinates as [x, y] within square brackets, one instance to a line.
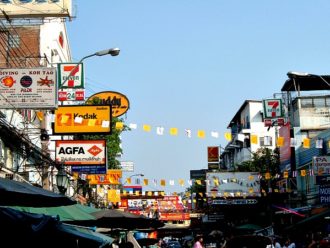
[285, 150]
[111, 178]
[75, 119]
[33, 88]
[118, 101]
[35, 8]
[80, 152]
[233, 184]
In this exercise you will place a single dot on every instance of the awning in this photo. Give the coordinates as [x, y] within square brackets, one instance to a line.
[306, 82]
[14, 193]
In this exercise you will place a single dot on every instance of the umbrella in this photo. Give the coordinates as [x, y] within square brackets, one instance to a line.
[114, 218]
[14, 193]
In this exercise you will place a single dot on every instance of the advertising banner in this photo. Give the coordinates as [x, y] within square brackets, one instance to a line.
[74, 119]
[321, 165]
[33, 88]
[80, 152]
[272, 108]
[233, 184]
[111, 178]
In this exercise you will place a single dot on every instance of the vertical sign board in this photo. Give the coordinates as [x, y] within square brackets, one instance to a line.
[74, 119]
[272, 108]
[324, 194]
[33, 88]
[71, 82]
[213, 157]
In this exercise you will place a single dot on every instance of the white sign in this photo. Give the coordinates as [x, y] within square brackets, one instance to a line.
[80, 152]
[70, 75]
[233, 184]
[127, 166]
[321, 165]
[33, 88]
[272, 108]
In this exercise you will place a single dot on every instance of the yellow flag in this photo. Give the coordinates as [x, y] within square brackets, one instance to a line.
[228, 136]
[285, 174]
[216, 182]
[267, 175]
[149, 193]
[119, 125]
[173, 131]
[147, 128]
[306, 143]
[188, 194]
[254, 139]
[199, 182]
[145, 182]
[40, 115]
[200, 194]
[137, 193]
[201, 134]
[250, 190]
[181, 182]
[303, 173]
[128, 180]
[162, 182]
[280, 141]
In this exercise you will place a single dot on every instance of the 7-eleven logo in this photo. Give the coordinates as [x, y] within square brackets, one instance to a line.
[273, 108]
[71, 76]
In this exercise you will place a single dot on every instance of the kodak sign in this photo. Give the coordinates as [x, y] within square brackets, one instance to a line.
[75, 119]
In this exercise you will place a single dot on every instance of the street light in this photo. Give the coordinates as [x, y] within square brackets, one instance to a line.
[111, 51]
[62, 181]
[134, 175]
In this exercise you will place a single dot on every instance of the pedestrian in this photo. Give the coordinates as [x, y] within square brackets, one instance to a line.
[198, 242]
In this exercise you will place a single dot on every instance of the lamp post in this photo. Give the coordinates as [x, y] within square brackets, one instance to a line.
[111, 51]
[134, 175]
[62, 181]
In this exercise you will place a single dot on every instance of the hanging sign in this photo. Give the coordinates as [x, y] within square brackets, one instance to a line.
[272, 108]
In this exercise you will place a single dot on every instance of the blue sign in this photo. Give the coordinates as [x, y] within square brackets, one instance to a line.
[324, 194]
[89, 169]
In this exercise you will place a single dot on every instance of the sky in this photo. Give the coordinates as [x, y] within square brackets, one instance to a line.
[190, 64]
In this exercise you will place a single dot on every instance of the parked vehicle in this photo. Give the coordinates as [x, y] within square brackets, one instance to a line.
[249, 241]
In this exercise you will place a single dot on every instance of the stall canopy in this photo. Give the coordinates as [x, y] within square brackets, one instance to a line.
[38, 230]
[14, 193]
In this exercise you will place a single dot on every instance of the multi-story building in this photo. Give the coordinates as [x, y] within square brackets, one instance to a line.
[33, 35]
[247, 122]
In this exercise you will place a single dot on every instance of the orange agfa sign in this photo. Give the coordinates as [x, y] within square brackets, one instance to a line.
[118, 101]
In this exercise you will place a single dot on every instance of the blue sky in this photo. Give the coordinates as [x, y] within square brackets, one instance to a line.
[190, 64]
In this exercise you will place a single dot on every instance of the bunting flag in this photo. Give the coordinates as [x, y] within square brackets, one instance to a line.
[280, 142]
[199, 182]
[181, 182]
[163, 182]
[201, 134]
[306, 143]
[132, 126]
[105, 124]
[145, 182]
[214, 134]
[173, 131]
[160, 130]
[254, 139]
[241, 137]
[303, 173]
[146, 128]
[119, 125]
[293, 142]
[40, 115]
[128, 180]
[267, 176]
[188, 133]
[319, 143]
[171, 182]
[228, 136]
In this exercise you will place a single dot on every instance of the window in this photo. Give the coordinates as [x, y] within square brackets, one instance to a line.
[266, 141]
[14, 41]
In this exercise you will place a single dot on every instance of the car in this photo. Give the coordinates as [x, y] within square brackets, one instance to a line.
[249, 241]
[173, 244]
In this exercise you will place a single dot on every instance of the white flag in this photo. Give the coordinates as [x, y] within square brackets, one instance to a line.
[160, 130]
[171, 182]
[293, 142]
[188, 133]
[319, 143]
[132, 126]
[215, 134]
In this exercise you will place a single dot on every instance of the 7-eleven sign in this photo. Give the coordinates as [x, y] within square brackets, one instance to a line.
[70, 75]
[272, 108]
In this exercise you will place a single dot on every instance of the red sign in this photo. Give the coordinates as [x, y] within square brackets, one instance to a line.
[213, 154]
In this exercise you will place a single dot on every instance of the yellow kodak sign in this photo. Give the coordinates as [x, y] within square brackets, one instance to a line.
[74, 119]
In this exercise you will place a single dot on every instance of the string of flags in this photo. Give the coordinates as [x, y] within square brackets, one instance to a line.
[173, 131]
